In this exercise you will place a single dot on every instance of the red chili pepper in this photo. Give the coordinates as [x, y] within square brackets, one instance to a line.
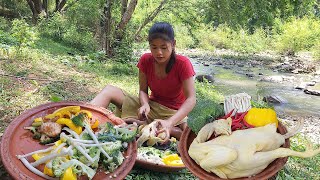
[227, 115]
[248, 125]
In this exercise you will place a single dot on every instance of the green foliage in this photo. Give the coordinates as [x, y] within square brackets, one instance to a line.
[207, 108]
[316, 50]
[297, 34]
[59, 28]
[244, 42]
[300, 168]
[23, 33]
[184, 40]
[142, 174]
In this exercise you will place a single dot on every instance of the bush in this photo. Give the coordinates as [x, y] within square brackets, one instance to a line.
[59, 28]
[297, 34]
[243, 41]
[184, 40]
[206, 38]
[23, 33]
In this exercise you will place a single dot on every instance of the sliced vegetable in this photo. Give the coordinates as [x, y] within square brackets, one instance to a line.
[95, 124]
[70, 124]
[69, 175]
[172, 160]
[88, 113]
[72, 109]
[261, 117]
[48, 171]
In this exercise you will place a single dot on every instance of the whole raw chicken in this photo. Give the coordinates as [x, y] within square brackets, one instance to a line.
[241, 153]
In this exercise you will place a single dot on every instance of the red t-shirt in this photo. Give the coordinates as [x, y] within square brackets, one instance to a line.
[169, 90]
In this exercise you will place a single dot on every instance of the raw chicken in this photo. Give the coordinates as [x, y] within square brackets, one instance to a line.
[241, 153]
[149, 134]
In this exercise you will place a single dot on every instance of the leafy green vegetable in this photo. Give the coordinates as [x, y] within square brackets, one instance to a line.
[204, 112]
[79, 119]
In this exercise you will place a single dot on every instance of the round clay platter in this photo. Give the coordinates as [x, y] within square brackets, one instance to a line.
[187, 138]
[18, 141]
[157, 167]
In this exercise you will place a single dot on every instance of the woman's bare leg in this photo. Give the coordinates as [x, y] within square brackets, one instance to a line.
[109, 94]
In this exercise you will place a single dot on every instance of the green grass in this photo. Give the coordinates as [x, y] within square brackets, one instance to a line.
[35, 76]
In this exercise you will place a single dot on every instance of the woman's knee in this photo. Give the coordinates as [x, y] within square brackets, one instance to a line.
[114, 94]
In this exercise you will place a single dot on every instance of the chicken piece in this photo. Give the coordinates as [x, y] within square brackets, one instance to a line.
[243, 153]
[50, 129]
[149, 133]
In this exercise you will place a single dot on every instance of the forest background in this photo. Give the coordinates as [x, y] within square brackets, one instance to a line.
[98, 42]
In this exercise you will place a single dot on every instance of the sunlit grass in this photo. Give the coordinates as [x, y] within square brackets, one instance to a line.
[46, 75]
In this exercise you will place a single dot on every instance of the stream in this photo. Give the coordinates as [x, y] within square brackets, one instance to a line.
[233, 79]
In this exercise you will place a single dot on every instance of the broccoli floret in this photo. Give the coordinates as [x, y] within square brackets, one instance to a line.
[86, 136]
[127, 135]
[79, 119]
[107, 137]
[117, 159]
[56, 166]
[110, 128]
[205, 112]
[112, 148]
[78, 168]
[93, 151]
[150, 151]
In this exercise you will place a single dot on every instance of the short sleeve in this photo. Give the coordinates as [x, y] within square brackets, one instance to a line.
[186, 69]
[142, 64]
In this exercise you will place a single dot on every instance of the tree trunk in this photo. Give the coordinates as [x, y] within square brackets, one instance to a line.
[107, 27]
[124, 4]
[45, 7]
[60, 4]
[125, 19]
[150, 18]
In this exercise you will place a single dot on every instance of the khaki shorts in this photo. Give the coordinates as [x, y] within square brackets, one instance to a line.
[131, 104]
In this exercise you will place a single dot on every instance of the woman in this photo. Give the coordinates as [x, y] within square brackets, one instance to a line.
[167, 75]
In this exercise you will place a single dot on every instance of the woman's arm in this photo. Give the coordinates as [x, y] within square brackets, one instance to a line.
[143, 95]
[186, 107]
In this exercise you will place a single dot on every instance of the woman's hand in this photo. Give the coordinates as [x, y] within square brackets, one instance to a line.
[143, 112]
[164, 126]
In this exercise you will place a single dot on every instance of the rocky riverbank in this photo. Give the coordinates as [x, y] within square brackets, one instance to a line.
[293, 66]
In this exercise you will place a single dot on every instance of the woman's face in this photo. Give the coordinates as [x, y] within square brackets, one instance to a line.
[161, 50]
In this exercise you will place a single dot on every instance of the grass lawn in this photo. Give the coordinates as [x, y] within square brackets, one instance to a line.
[37, 76]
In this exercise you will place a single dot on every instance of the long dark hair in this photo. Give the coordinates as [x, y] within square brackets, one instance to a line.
[163, 31]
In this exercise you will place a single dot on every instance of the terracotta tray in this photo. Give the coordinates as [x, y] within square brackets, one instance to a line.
[186, 140]
[18, 141]
[157, 167]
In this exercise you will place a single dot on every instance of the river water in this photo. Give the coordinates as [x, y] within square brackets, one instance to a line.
[233, 80]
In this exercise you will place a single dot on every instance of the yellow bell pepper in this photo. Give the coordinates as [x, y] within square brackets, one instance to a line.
[69, 175]
[72, 109]
[63, 113]
[38, 156]
[95, 124]
[39, 119]
[172, 160]
[261, 117]
[48, 171]
[52, 116]
[70, 124]
[88, 113]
